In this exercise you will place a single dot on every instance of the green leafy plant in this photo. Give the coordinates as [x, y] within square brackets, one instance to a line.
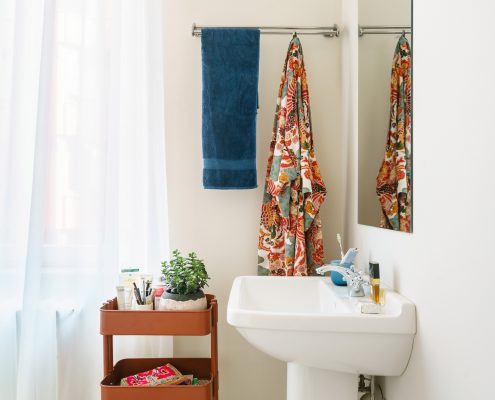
[184, 275]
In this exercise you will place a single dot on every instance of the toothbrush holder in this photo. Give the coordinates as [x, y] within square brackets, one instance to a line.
[336, 277]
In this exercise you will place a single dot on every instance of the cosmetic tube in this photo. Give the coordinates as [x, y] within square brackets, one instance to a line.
[120, 297]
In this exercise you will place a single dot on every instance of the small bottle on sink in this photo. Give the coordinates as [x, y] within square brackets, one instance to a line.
[375, 282]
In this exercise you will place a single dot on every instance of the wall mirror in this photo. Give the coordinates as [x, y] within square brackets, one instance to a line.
[385, 114]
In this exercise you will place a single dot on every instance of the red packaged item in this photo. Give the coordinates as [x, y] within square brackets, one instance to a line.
[164, 375]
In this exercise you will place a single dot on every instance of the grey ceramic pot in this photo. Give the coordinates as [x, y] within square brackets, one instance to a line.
[183, 302]
[182, 297]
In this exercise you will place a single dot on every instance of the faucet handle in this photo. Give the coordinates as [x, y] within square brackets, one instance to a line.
[357, 279]
[355, 282]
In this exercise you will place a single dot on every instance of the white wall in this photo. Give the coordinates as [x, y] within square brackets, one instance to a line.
[445, 266]
[375, 65]
[222, 226]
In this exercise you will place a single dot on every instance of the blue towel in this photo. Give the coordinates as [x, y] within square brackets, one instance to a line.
[230, 59]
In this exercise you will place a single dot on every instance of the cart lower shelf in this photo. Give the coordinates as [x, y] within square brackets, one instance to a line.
[199, 367]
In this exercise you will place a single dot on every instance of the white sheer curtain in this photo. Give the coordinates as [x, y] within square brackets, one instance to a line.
[82, 183]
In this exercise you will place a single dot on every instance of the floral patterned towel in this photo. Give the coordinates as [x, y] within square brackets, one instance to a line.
[164, 375]
[393, 183]
[290, 236]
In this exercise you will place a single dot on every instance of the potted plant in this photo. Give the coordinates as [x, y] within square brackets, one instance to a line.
[184, 278]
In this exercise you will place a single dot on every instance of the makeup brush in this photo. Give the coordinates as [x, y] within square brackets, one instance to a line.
[339, 239]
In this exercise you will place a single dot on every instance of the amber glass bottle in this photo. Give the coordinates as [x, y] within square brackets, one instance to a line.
[375, 282]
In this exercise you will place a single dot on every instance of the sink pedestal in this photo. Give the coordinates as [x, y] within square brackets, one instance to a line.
[306, 383]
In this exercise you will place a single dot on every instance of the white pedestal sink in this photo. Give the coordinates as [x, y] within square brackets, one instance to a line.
[318, 330]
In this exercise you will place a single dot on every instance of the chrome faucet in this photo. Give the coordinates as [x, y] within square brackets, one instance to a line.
[355, 279]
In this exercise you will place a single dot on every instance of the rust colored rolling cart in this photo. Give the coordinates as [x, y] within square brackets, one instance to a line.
[165, 323]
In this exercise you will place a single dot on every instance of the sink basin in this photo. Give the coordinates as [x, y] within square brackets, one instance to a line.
[320, 332]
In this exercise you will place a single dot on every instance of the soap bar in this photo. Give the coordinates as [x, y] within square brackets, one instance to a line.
[370, 308]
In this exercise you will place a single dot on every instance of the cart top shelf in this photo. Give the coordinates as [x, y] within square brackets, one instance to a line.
[173, 323]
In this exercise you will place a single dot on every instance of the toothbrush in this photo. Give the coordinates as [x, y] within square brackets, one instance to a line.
[339, 239]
